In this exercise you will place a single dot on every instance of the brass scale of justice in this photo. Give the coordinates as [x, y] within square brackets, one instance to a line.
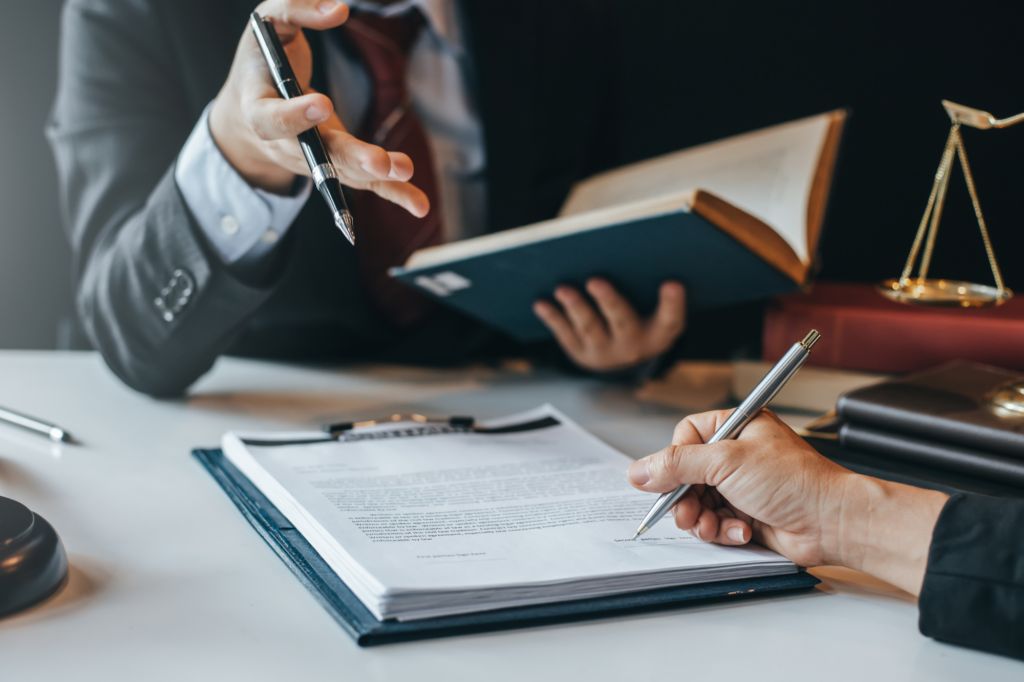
[1007, 400]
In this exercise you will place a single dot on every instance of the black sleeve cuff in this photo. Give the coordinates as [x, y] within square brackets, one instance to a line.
[973, 592]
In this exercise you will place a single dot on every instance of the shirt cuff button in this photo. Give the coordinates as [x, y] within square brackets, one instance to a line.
[229, 224]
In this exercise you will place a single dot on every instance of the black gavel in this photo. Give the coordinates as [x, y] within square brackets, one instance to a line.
[33, 563]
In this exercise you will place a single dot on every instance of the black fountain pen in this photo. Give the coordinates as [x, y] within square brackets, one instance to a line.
[324, 175]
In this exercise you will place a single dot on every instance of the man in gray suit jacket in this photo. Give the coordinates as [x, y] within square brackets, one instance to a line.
[162, 288]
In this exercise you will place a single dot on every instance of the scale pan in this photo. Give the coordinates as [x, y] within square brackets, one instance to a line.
[944, 292]
[1008, 400]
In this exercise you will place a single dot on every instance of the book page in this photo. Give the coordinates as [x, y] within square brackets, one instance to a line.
[767, 173]
[453, 512]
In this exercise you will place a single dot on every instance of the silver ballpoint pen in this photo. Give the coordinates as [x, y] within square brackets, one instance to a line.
[24, 421]
[762, 394]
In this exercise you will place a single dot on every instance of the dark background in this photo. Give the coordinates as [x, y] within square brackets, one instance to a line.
[35, 261]
[702, 71]
[738, 66]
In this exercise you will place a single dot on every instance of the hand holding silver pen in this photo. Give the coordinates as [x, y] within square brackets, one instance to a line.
[762, 394]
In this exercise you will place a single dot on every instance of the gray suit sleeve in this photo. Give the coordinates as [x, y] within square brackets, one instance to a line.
[151, 295]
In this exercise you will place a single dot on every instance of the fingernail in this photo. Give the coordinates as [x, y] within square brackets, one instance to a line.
[315, 113]
[696, 531]
[637, 472]
[735, 534]
[326, 6]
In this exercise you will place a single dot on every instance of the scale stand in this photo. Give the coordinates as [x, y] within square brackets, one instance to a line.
[921, 290]
[1006, 401]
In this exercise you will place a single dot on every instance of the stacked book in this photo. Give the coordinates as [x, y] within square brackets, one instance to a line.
[949, 418]
[863, 331]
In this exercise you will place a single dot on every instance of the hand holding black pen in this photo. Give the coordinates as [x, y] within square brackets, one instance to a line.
[325, 177]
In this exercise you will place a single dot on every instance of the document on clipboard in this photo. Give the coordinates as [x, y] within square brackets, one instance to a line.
[425, 520]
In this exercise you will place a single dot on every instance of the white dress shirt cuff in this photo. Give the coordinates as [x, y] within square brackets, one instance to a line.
[238, 220]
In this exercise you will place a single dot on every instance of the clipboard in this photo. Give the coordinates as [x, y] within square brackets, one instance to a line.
[354, 618]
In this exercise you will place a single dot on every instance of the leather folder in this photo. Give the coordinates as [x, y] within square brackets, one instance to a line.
[356, 620]
[948, 404]
[951, 457]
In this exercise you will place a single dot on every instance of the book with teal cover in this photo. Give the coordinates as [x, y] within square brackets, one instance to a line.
[736, 220]
[499, 288]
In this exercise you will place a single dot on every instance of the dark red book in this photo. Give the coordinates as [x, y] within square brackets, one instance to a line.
[862, 330]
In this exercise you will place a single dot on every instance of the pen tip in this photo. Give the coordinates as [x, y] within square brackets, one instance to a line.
[347, 226]
[635, 535]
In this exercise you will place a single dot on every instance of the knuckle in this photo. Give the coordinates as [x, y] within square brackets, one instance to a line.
[677, 432]
[666, 462]
[727, 458]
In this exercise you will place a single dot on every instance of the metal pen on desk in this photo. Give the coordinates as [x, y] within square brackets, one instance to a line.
[762, 394]
[324, 176]
[52, 431]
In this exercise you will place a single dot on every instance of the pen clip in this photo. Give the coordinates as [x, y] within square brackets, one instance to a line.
[264, 40]
[274, 55]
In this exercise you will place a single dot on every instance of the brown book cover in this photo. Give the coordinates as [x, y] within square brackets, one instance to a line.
[862, 330]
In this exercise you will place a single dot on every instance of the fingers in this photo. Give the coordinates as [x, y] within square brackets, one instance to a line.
[687, 460]
[364, 161]
[365, 166]
[698, 428]
[585, 320]
[291, 15]
[273, 118]
[706, 528]
[669, 319]
[401, 166]
[358, 159]
[678, 465]
[408, 196]
[611, 335]
[621, 318]
[718, 525]
[687, 510]
[554, 320]
[731, 531]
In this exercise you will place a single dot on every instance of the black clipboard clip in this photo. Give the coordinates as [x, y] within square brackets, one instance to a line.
[342, 430]
[460, 423]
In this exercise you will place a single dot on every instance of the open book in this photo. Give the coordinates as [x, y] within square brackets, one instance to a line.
[739, 219]
[421, 520]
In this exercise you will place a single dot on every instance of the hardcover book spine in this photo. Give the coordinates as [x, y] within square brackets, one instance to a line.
[893, 341]
[939, 455]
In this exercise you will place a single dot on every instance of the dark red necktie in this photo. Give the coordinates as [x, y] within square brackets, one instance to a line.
[387, 233]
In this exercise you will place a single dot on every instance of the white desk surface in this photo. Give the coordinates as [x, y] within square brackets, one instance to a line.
[169, 582]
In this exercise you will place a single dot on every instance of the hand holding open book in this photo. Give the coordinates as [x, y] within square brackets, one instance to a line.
[734, 220]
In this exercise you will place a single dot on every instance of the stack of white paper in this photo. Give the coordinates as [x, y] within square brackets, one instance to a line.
[454, 522]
